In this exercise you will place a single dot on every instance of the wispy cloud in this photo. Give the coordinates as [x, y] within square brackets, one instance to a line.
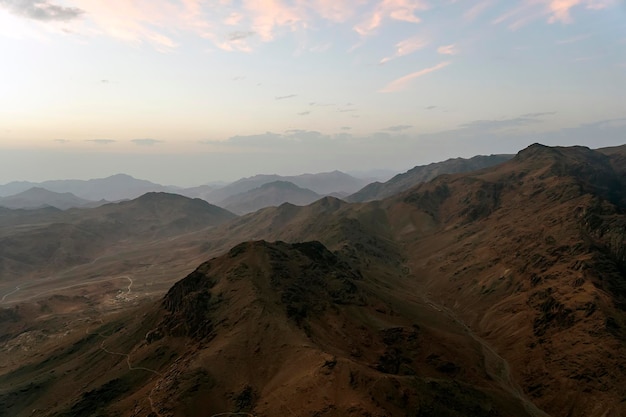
[402, 10]
[42, 10]
[477, 9]
[448, 50]
[268, 15]
[398, 128]
[403, 82]
[285, 97]
[61, 141]
[244, 25]
[316, 104]
[505, 124]
[146, 142]
[239, 35]
[554, 11]
[101, 141]
[304, 113]
[407, 47]
[336, 10]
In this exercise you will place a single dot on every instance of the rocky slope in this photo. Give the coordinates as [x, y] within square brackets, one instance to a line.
[424, 173]
[270, 329]
[530, 256]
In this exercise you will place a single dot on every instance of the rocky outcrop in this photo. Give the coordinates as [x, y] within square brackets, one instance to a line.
[304, 278]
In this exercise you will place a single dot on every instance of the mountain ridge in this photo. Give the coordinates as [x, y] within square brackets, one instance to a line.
[38, 197]
[424, 173]
[269, 194]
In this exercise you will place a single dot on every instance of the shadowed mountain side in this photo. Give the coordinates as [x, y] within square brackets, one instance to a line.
[420, 174]
[269, 329]
[268, 195]
[78, 235]
[37, 197]
[361, 232]
[10, 218]
[530, 254]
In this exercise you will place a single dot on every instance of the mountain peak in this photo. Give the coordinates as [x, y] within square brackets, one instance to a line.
[537, 150]
[287, 185]
[121, 176]
[304, 278]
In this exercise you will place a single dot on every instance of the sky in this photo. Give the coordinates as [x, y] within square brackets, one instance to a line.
[187, 92]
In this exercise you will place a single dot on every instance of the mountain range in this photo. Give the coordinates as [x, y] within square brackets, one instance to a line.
[238, 196]
[496, 292]
[124, 187]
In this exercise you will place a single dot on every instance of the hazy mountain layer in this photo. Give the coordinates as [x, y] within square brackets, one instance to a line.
[113, 188]
[322, 183]
[37, 197]
[270, 194]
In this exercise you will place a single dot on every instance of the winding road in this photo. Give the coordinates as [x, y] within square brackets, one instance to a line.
[9, 293]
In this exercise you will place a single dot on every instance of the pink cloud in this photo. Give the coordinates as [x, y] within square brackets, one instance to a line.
[403, 82]
[336, 10]
[407, 47]
[560, 10]
[141, 21]
[402, 10]
[268, 15]
[477, 9]
[448, 50]
[554, 11]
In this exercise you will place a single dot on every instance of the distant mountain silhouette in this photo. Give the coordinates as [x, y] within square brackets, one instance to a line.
[38, 197]
[271, 194]
[113, 188]
[322, 184]
[424, 173]
[201, 191]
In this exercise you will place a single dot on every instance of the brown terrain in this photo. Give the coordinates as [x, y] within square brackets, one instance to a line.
[424, 173]
[499, 292]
